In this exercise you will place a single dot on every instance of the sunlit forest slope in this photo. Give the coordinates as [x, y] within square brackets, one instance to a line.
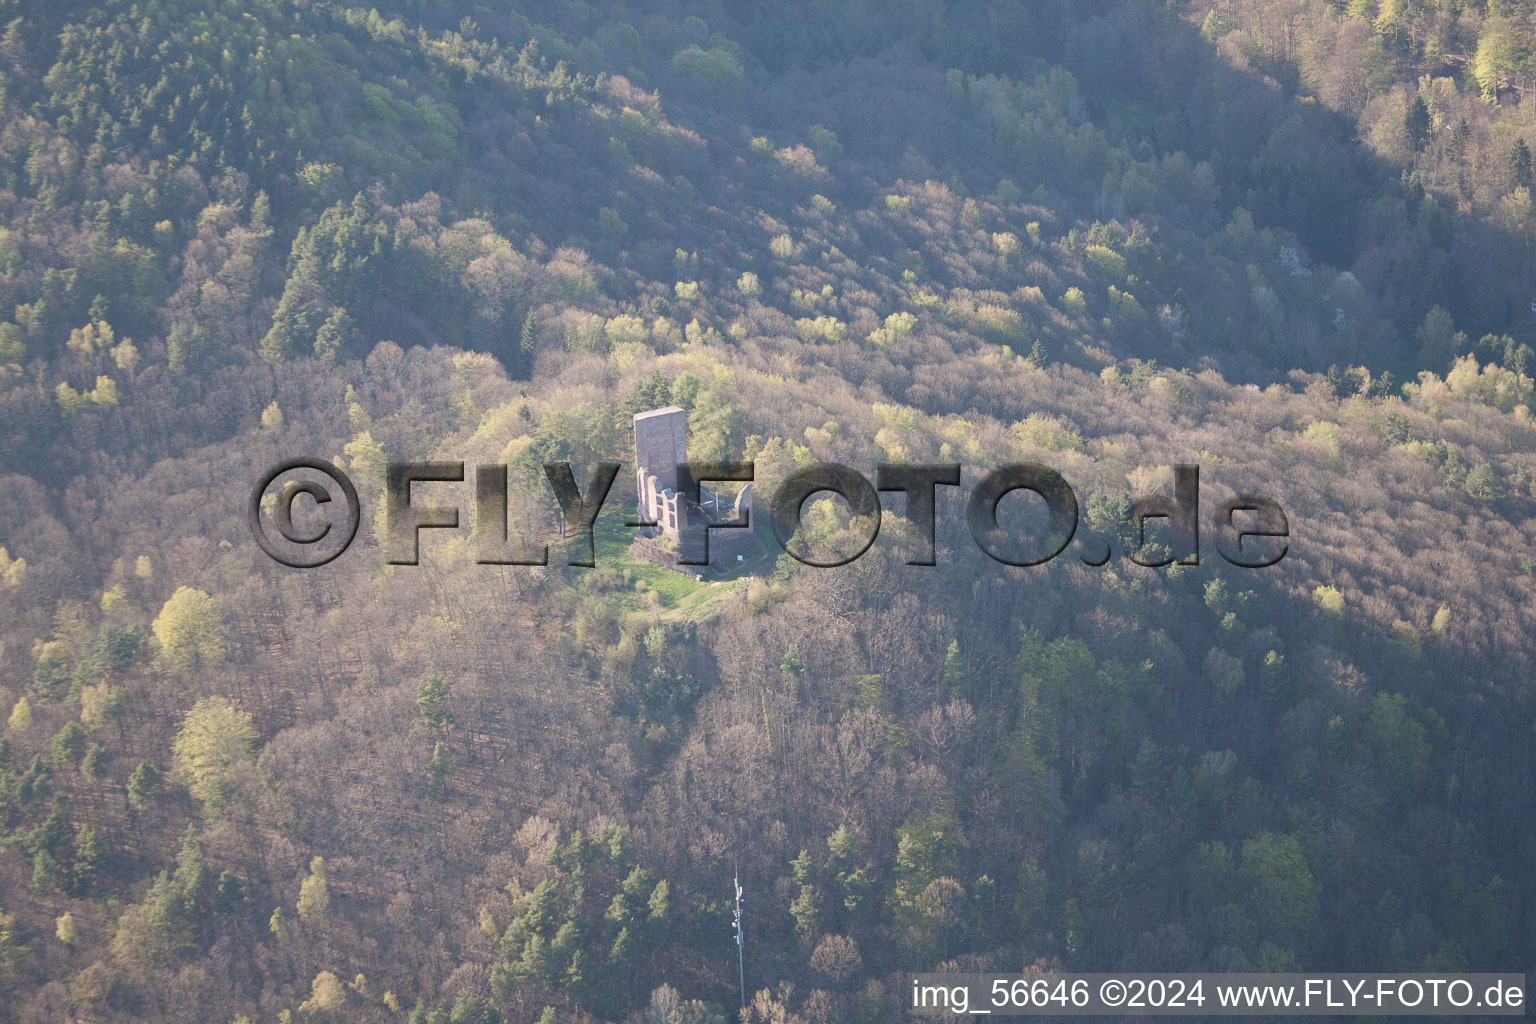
[1286, 240]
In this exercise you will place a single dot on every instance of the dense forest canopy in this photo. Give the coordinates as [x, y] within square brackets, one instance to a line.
[1286, 240]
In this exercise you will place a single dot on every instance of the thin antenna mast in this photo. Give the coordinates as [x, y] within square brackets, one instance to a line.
[741, 955]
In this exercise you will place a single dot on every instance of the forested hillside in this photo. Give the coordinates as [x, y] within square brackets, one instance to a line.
[1287, 241]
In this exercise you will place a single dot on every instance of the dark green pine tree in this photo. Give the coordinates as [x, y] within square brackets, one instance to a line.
[1416, 125]
[89, 857]
[143, 785]
[1520, 165]
[1456, 149]
[530, 331]
[432, 703]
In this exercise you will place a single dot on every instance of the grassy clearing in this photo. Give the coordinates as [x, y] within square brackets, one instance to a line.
[679, 595]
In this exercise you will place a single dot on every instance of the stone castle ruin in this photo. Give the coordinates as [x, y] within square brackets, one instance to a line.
[677, 535]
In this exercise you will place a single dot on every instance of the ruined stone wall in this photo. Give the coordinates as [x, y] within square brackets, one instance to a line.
[659, 504]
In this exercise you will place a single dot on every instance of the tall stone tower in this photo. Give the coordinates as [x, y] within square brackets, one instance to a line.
[661, 442]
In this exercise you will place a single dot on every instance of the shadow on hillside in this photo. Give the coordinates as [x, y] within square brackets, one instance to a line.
[1149, 77]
